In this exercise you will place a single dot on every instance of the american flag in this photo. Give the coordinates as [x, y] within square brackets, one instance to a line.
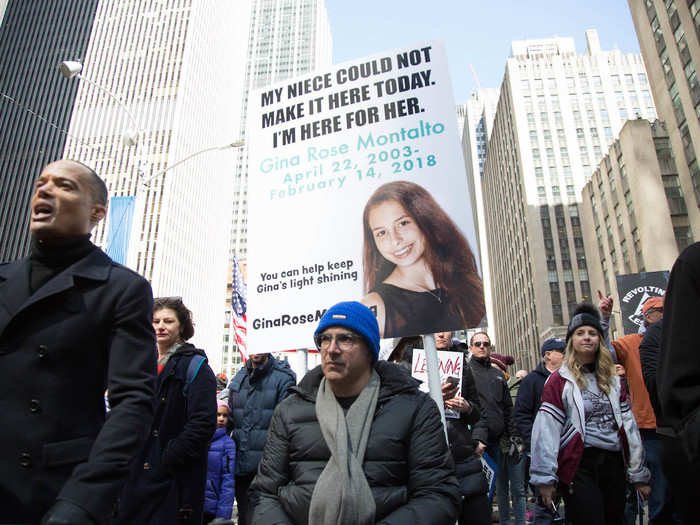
[238, 309]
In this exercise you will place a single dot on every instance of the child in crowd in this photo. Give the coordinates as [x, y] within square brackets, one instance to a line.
[220, 489]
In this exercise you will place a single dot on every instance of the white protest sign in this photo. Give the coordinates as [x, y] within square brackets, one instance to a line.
[357, 191]
[451, 364]
[490, 469]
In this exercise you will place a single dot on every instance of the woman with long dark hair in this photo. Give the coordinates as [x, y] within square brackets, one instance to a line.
[585, 441]
[420, 275]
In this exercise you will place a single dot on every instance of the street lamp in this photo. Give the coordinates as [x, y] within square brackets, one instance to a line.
[237, 144]
[72, 69]
[129, 236]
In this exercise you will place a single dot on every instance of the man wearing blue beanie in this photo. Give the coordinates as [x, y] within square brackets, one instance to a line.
[356, 441]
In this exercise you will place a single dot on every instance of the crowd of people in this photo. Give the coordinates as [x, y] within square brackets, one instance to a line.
[600, 425]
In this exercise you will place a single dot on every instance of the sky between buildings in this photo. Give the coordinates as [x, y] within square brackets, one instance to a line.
[475, 32]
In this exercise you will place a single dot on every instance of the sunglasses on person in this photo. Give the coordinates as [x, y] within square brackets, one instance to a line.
[479, 344]
[344, 341]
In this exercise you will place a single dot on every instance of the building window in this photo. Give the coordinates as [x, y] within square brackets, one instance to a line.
[695, 178]
[683, 237]
[638, 250]
[674, 195]
[557, 316]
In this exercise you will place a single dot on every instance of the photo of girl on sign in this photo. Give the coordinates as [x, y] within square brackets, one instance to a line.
[420, 275]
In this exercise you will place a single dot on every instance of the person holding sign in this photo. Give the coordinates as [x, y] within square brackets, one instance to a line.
[464, 433]
[356, 442]
[585, 440]
[420, 275]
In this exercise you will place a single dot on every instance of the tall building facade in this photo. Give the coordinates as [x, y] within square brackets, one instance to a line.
[286, 38]
[479, 112]
[35, 106]
[3, 6]
[461, 115]
[634, 211]
[557, 113]
[670, 44]
[176, 68]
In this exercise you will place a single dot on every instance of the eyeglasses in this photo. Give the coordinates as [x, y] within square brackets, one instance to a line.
[344, 341]
[479, 344]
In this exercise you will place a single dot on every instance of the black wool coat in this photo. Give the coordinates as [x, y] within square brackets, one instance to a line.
[166, 484]
[678, 369]
[495, 398]
[407, 463]
[87, 329]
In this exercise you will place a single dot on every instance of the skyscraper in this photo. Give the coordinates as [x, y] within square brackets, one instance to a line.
[557, 113]
[35, 106]
[287, 38]
[177, 69]
[3, 6]
[634, 213]
[479, 112]
[670, 44]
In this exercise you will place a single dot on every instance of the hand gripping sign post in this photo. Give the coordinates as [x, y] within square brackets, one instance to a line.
[437, 367]
[357, 191]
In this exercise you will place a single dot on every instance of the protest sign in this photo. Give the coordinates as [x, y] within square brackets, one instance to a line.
[490, 469]
[634, 289]
[451, 364]
[357, 191]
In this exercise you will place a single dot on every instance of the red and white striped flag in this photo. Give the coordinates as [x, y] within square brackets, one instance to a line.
[238, 310]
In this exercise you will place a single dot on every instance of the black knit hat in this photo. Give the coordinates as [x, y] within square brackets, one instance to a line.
[585, 315]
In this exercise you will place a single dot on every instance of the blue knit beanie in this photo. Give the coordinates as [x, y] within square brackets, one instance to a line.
[358, 318]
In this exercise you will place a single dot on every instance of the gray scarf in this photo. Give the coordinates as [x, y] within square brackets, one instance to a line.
[342, 495]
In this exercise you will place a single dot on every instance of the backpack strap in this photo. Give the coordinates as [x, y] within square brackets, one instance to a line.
[192, 370]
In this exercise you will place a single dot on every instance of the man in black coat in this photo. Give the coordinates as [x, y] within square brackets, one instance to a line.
[72, 324]
[678, 383]
[493, 393]
[390, 465]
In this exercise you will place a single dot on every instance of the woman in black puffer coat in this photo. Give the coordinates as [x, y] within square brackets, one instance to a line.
[407, 465]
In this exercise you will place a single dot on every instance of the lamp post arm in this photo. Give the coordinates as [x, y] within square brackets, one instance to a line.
[113, 97]
[146, 182]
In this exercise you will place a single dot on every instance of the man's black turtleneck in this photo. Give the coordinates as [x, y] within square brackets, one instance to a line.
[49, 258]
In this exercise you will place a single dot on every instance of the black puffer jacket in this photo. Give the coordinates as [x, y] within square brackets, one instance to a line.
[407, 464]
[495, 398]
